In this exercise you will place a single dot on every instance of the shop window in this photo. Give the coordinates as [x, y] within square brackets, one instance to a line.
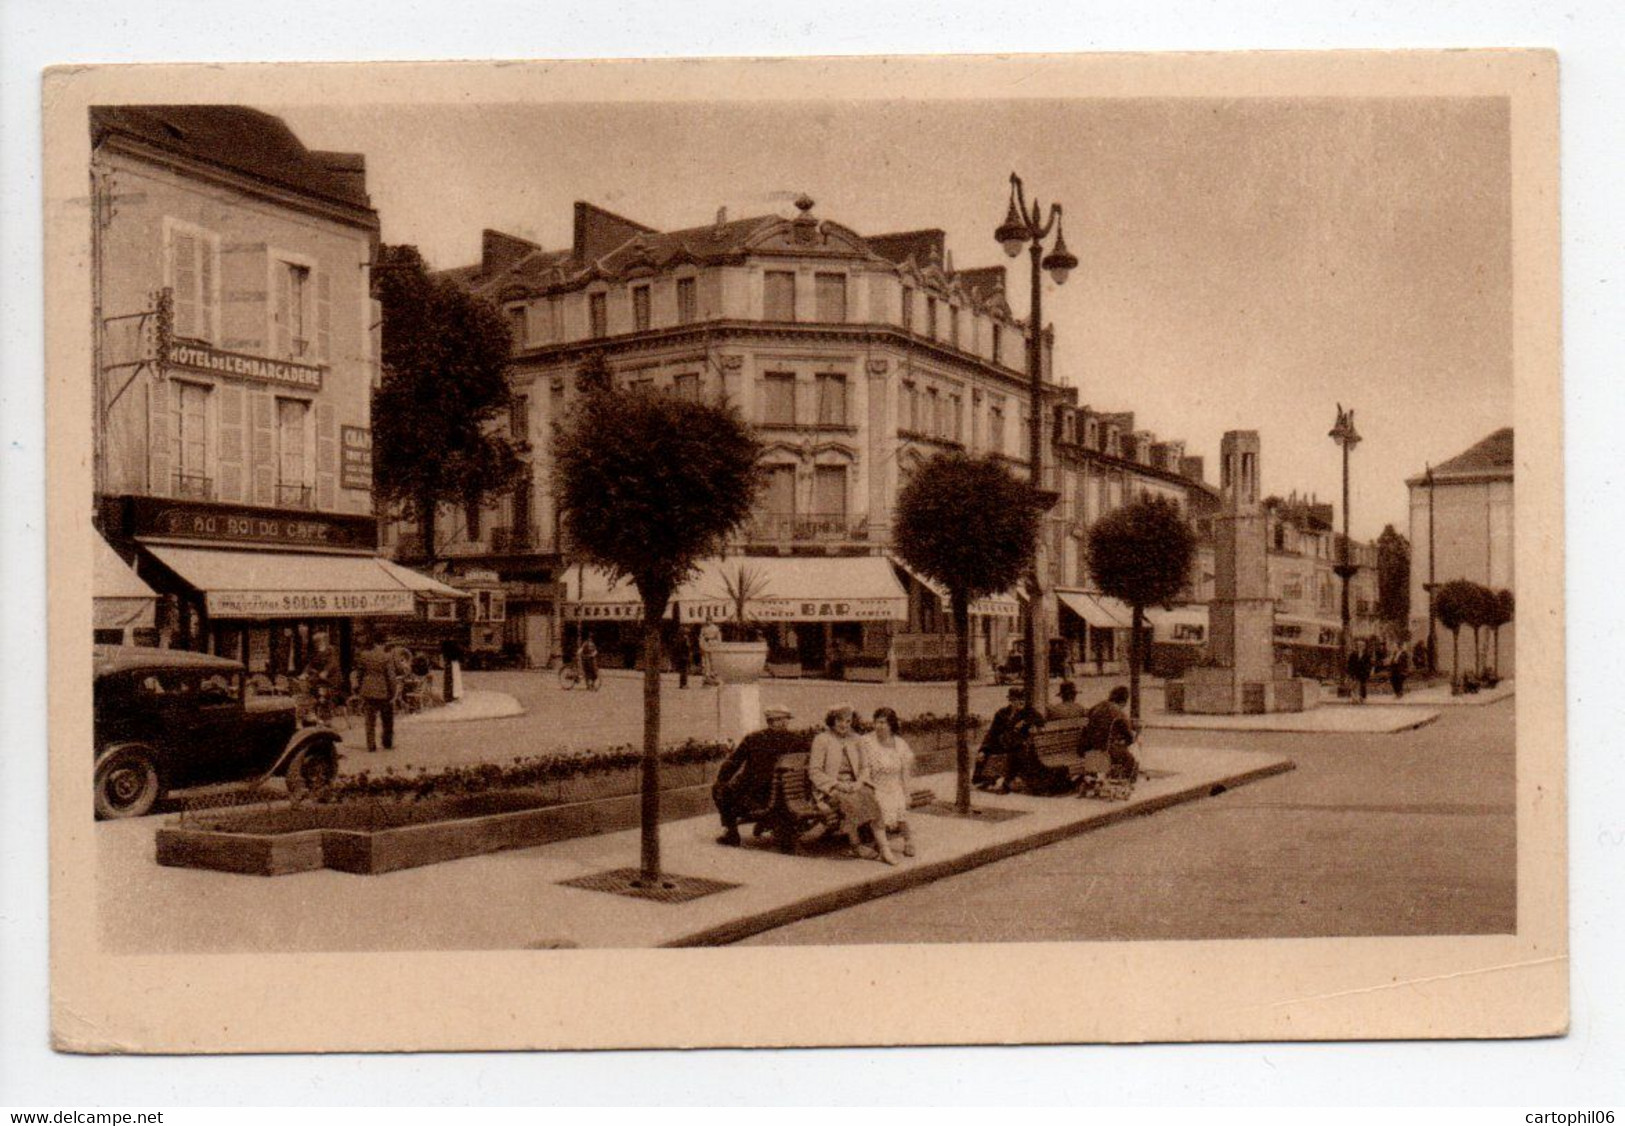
[194, 269]
[778, 295]
[687, 310]
[831, 398]
[598, 315]
[779, 399]
[640, 308]
[442, 611]
[830, 292]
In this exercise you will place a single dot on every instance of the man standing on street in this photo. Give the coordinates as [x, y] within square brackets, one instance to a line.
[376, 669]
[744, 782]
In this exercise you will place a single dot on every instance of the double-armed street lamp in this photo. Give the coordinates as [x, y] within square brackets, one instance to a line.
[1346, 436]
[1027, 226]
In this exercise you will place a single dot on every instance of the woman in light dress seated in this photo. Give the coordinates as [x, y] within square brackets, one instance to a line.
[838, 769]
[891, 770]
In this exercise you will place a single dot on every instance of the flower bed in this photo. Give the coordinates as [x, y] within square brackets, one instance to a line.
[372, 823]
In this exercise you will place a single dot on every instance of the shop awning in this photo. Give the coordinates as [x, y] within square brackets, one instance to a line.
[120, 599]
[419, 583]
[1006, 605]
[784, 588]
[1180, 624]
[1097, 610]
[278, 584]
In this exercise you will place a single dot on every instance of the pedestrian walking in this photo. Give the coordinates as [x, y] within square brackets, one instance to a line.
[710, 637]
[375, 668]
[1398, 668]
[1359, 670]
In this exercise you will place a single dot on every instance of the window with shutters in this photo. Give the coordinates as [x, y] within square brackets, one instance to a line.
[778, 295]
[598, 315]
[189, 432]
[831, 398]
[294, 315]
[518, 325]
[908, 308]
[830, 294]
[953, 325]
[555, 319]
[995, 429]
[295, 460]
[829, 493]
[958, 404]
[687, 307]
[519, 418]
[931, 317]
[779, 399]
[640, 308]
[193, 270]
[998, 344]
[933, 413]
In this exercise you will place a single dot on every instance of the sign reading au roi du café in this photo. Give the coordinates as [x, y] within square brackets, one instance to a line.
[162, 518]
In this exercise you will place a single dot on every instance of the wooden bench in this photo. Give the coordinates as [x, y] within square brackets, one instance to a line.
[791, 809]
[1057, 745]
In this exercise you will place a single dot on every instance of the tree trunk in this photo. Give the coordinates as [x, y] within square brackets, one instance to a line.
[1134, 662]
[426, 522]
[1455, 661]
[1497, 652]
[649, 806]
[962, 764]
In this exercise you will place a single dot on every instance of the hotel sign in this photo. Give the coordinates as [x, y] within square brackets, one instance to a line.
[307, 603]
[226, 523]
[633, 611]
[198, 357]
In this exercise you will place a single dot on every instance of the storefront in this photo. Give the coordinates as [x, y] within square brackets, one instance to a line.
[821, 615]
[926, 648]
[1096, 631]
[125, 608]
[260, 584]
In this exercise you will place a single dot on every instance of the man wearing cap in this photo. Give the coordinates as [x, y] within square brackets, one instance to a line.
[1002, 741]
[744, 782]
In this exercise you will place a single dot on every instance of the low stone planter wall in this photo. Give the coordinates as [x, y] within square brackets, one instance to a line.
[368, 838]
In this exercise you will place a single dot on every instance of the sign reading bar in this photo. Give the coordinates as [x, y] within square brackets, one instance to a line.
[199, 357]
[306, 603]
[226, 523]
[355, 457]
[829, 610]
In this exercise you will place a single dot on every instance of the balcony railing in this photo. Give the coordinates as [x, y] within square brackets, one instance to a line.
[193, 486]
[815, 527]
[295, 496]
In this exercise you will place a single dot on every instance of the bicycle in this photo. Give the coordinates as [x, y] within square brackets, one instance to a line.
[571, 674]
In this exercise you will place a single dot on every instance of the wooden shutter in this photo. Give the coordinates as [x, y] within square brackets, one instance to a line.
[324, 317]
[158, 453]
[232, 445]
[282, 341]
[208, 318]
[242, 297]
[183, 273]
[263, 408]
[327, 457]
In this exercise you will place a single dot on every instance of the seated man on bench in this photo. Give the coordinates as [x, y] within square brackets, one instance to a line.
[1111, 730]
[744, 784]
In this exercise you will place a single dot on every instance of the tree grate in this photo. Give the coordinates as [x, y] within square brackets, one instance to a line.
[672, 889]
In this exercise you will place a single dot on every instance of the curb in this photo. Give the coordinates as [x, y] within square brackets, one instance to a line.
[736, 929]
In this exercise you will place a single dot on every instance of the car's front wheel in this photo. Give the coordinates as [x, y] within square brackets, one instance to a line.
[311, 770]
[127, 783]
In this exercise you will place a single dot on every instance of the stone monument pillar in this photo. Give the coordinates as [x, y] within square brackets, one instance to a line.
[1243, 677]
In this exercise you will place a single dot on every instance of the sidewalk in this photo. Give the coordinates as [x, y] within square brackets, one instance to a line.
[1366, 719]
[1438, 696]
[514, 900]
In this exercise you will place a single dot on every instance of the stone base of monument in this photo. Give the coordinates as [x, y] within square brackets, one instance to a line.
[1218, 691]
[739, 711]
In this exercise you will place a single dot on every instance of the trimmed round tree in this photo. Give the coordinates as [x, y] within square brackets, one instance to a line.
[1504, 607]
[1454, 604]
[967, 524]
[1141, 554]
[649, 485]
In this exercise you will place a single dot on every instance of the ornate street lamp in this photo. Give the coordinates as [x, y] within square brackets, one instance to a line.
[1027, 226]
[1346, 436]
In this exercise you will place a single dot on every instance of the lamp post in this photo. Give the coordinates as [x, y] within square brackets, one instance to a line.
[1344, 435]
[1027, 226]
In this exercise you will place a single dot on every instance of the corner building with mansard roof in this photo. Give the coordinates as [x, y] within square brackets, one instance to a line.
[856, 357]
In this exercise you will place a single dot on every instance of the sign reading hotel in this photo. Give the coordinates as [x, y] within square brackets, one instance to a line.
[198, 357]
[305, 603]
[355, 457]
[633, 612]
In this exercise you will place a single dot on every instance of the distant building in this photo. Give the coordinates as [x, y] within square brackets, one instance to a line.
[1470, 498]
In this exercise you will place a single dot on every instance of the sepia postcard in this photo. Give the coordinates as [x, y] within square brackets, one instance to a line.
[805, 552]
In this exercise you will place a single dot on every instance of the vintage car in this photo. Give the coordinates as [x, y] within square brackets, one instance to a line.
[168, 720]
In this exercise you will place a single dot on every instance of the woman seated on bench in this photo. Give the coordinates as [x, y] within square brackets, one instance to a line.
[839, 772]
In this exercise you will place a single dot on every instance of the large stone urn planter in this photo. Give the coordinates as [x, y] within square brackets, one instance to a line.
[738, 662]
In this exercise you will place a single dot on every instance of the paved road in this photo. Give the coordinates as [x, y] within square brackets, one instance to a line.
[1372, 835]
